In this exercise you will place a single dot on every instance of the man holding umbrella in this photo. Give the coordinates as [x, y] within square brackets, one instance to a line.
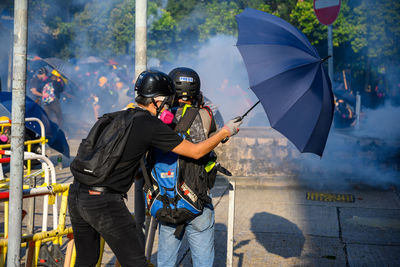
[37, 83]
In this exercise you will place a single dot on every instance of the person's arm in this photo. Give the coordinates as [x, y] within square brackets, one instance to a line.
[35, 91]
[198, 150]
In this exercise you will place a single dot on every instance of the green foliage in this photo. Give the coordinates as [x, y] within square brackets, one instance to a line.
[303, 17]
[220, 20]
[180, 9]
[365, 30]
[377, 28]
[343, 30]
[122, 27]
[161, 37]
[91, 35]
[282, 9]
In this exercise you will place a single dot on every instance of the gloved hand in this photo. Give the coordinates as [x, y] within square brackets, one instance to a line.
[233, 125]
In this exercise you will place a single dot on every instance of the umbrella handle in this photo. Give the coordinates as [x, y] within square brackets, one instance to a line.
[225, 140]
[241, 118]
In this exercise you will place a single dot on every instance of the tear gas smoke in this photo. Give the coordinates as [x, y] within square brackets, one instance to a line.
[223, 77]
[368, 154]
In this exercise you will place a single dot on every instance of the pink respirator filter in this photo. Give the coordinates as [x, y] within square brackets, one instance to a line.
[166, 117]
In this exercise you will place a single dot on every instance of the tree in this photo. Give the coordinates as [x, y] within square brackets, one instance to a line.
[376, 35]
[122, 27]
[220, 20]
[162, 36]
[90, 28]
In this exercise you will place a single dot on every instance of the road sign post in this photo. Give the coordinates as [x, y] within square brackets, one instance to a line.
[327, 11]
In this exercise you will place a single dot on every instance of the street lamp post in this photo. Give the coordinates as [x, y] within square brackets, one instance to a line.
[17, 131]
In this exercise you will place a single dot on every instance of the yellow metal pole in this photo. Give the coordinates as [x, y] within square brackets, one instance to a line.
[28, 163]
[102, 243]
[73, 258]
[38, 244]
[4, 248]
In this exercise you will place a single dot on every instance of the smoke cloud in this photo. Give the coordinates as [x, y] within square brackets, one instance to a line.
[223, 77]
[367, 154]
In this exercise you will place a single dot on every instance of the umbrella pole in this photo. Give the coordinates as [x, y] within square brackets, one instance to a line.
[247, 112]
[241, 118]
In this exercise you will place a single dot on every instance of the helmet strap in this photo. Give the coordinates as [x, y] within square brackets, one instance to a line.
[159, 109]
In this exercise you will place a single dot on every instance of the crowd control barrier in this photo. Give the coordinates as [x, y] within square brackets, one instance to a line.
[28, 144]
[34, 241]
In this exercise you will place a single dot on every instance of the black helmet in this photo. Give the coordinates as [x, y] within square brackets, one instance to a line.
[42, 70]
[154, 83]
[186, 81]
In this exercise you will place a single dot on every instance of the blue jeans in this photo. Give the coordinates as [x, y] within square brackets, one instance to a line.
[108, 216]
[200, 233]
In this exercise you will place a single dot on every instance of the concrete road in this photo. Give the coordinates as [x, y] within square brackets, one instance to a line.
[282, 222]
[276, 225]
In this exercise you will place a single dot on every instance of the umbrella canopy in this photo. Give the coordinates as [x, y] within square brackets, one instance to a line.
[90, 60]
[286, 74]
[55, 135]
[63, 67]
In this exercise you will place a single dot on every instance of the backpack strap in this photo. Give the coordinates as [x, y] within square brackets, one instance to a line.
[179, 230]
[186, 121]
[147, 182]
[213, 126]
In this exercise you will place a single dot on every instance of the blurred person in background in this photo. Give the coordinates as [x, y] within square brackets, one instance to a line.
[36, 85]
[51, 97]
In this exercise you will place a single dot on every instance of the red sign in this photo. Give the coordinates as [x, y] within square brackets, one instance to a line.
[327, 10]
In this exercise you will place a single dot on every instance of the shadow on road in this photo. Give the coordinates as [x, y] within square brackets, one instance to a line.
[273, 242]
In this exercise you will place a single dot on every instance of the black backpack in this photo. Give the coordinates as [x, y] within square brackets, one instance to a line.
[99, 154]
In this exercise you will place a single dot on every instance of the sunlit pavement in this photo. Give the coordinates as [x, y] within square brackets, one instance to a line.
[276, 225]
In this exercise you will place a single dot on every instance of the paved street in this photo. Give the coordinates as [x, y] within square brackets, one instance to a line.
[281, 221]
[275, 225]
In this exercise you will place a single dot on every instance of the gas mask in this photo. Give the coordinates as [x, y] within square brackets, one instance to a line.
[162, 111]
[166, 116]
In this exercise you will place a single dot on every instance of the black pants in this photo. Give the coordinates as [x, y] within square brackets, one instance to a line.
[108, 216]
[54, 112]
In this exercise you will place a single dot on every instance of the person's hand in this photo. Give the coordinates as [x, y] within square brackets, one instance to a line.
[233, 126]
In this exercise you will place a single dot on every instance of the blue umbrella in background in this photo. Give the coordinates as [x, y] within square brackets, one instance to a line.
[55, 135]
[287, 75]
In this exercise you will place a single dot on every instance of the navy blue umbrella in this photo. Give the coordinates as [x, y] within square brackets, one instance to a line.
[55, 136]
[287, 75]
[63, 67]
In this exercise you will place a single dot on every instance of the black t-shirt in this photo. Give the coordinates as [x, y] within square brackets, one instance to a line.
[147, 131]
[37, 83]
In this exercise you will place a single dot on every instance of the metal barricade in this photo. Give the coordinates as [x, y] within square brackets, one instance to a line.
[34, 241]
